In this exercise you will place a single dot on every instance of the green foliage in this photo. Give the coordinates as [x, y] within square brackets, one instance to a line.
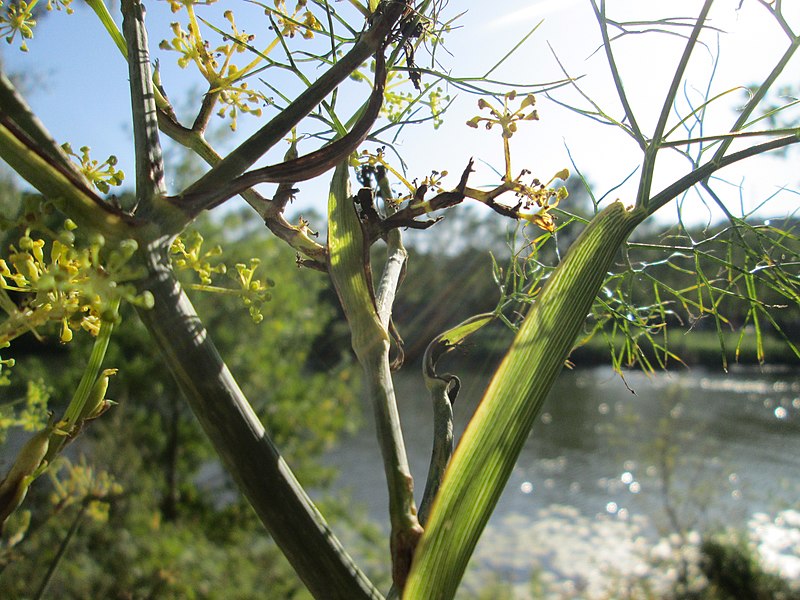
[164, 518]
[55, 275]
[729, 282]
[305, 413]
[28, 412]
[733, 571]
[131, 552]
[670, 281]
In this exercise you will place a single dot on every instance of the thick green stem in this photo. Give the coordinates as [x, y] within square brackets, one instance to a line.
[492, 442]
[348, 257]
[267, 209]
[402, 509]
[58, 183]
[149, 162]
[242, 443]
[305, 167]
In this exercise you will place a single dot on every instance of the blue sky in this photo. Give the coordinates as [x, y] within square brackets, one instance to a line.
[78, 85]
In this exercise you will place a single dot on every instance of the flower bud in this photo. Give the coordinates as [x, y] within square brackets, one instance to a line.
[94, 403]
[14, 487]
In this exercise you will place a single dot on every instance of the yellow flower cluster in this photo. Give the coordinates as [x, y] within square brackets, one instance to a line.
[534, 201]
[188, 255]
[101, 175]
[67, 284]
[505, 117]
[82, 483]
[17, 18]
[542, 197]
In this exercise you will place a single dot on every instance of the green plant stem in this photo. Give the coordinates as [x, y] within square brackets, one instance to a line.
[72, 414]
[443, 439]
[14, 107]
[759, 94]
[150, 184]
[348, 257]
[600, 14]
[241, 442]
[402, 508]
[62, 549]
[93, 366]
[305, 167]
[443, 389]
[705, 171]
[266, 208]
[652, 148]
[396, 258]
[489, 448]
[68, 190]
[101, 10]
[680, 70]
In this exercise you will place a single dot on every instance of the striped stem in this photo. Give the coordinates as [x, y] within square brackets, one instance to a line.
[489, 448]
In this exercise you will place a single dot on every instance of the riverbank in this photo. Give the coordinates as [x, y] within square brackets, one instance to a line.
[693, 348]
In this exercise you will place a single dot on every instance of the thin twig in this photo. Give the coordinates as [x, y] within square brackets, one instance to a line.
[652, 149]
[62, 548]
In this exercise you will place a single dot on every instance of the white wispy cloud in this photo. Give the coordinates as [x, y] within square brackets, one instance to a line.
[529, 13]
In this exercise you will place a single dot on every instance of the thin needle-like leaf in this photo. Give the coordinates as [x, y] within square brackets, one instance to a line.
[511, 52]
[600, 15]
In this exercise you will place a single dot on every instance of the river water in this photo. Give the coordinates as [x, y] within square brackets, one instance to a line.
[618, 474]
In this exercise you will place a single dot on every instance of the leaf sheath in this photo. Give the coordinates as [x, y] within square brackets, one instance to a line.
[489, 448]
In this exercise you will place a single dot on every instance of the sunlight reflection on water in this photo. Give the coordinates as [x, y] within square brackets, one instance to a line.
[586, 495]
[587, 558]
